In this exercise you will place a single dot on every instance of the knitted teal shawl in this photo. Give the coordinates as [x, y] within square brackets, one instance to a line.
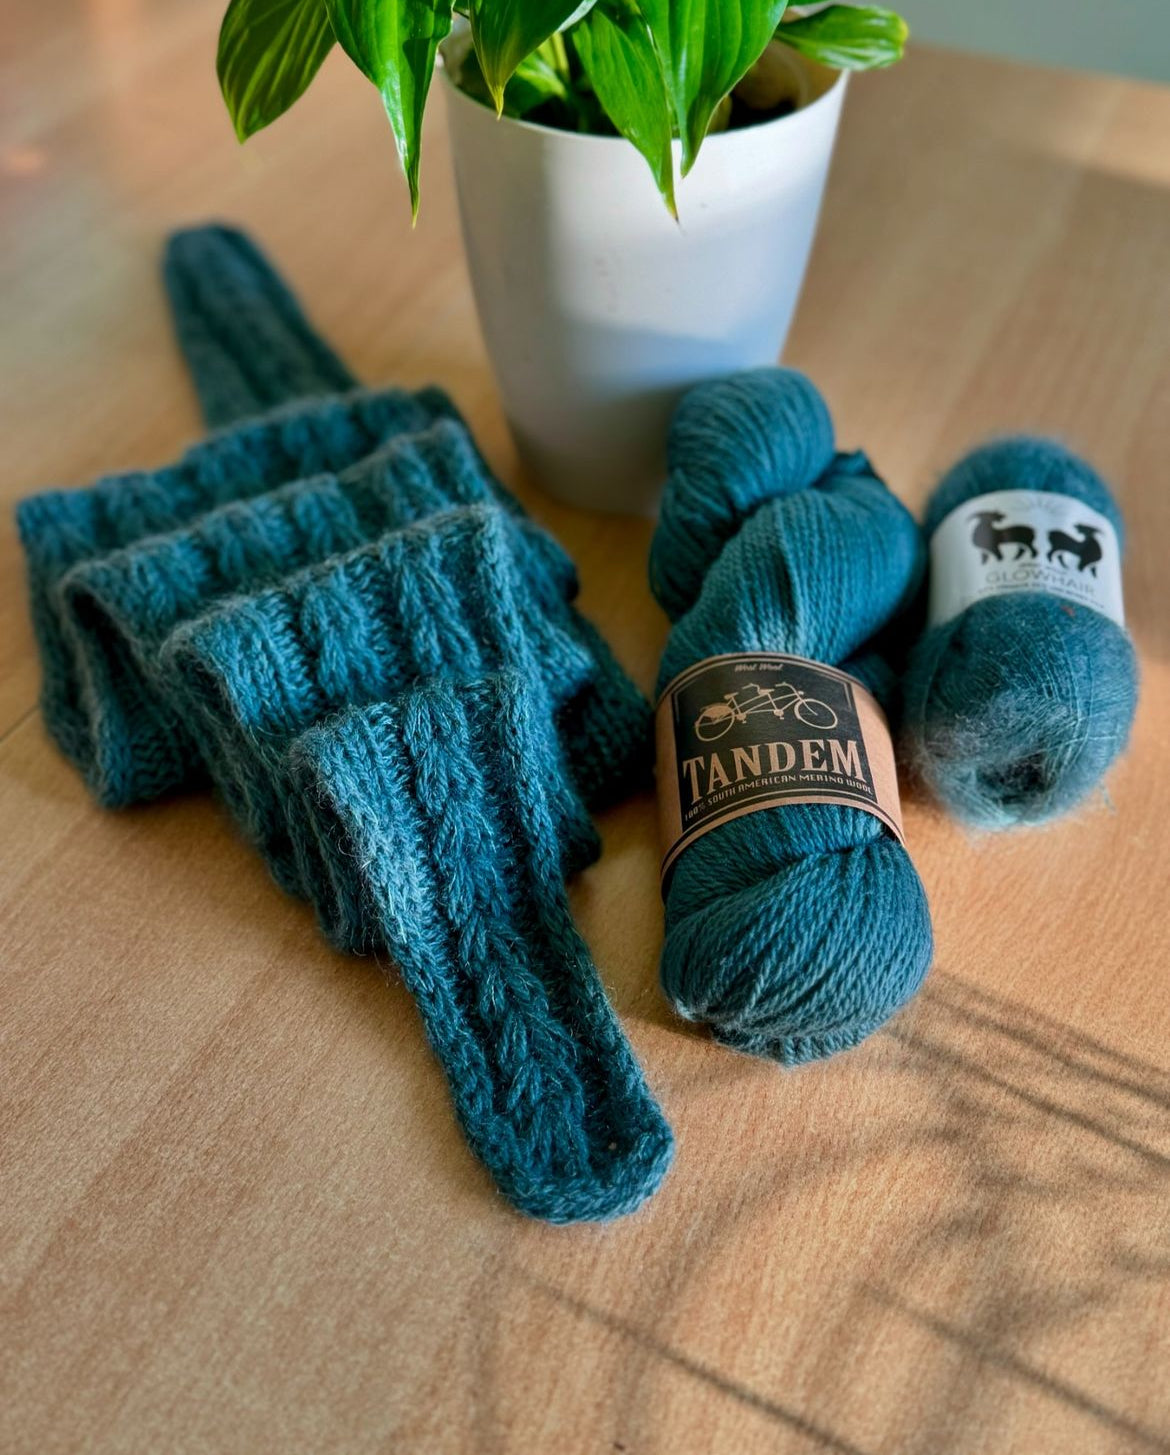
[332, 609]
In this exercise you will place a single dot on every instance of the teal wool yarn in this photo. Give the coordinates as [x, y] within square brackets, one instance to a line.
[795, 931]
[1016, 708]
[447, 595]
[296, 472]
[117, 608]
[335, 611]
[61, 529]
[246, 340]
[435, 808]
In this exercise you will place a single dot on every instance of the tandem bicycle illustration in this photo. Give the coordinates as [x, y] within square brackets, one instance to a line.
[718, 718]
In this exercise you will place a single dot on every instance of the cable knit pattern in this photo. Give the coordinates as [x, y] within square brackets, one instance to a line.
[118, 608]
[446, 596]
[340, 613]
[61, 528]
[435, 803]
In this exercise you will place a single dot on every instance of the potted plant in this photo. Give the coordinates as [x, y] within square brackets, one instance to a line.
[608, 276]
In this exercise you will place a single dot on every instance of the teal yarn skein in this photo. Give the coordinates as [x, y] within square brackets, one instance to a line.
[1017, 707]
[795, 931]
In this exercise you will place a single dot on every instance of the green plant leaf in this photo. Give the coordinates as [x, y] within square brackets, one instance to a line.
[621, 64]
[535, 81]
[269, 51]
[848, 37]
[706, 46]
[579, 13]
[394, 43]
[505, 31]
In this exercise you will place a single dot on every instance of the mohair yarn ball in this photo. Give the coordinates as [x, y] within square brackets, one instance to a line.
[1016, 708]
[795, 931]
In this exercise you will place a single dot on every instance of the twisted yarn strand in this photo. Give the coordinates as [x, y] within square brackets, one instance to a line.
[795, 931]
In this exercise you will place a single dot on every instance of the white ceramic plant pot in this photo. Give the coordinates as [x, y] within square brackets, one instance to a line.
[598, 309]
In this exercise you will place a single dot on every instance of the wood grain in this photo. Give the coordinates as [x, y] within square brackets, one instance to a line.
[236, 1213]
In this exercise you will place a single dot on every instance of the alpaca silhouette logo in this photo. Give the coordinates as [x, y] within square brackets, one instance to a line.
[989, 536]
[1086, 548]
[1024, 540]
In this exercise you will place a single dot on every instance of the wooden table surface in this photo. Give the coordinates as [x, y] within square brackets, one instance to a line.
[236, 1214]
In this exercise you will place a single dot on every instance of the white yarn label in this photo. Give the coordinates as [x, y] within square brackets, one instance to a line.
[1024, 540]
[754, 730]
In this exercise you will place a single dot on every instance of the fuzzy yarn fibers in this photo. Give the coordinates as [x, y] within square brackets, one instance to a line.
[435, 807]
[795, 931]
[1017, 707]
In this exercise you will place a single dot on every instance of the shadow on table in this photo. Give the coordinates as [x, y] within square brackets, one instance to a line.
[1060, 1158]
[1040, 1244]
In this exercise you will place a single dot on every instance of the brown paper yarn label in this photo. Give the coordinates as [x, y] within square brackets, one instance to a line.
[753, 730]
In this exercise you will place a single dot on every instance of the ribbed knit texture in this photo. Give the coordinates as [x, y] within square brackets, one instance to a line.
[247, 344]
[795, 931]
[106, 585]
[340, 613]
[61, 528]
[434, 805]
[117, 609]
[445, 597]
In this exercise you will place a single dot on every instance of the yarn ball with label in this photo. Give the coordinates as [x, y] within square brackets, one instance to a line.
[795, 931]
[1016, 707]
